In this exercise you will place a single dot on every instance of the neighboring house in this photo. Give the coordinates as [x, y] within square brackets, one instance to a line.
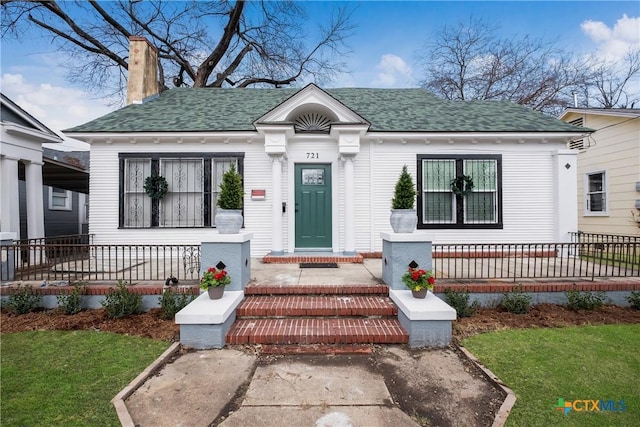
[608, 170]
[41, 194]
[66, 207]
[319, 166]
[21, 157]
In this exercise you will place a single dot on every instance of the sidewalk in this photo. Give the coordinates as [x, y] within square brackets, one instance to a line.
[391, 387]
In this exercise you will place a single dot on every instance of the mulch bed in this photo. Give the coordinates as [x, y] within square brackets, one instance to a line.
[151, 325]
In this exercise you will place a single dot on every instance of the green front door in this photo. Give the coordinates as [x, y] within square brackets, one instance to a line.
[313, 206]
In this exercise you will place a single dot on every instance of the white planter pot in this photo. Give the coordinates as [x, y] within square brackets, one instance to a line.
[403, 220]
[228, 221]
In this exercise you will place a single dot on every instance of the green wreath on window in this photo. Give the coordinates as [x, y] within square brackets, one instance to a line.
[156, 186]
[462, 185]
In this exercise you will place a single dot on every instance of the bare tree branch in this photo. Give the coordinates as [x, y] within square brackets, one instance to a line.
[469, 61]
[610, 81]
[200, 43]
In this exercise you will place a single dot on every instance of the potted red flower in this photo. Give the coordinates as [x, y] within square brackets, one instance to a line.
[213, 281]
[419, 281]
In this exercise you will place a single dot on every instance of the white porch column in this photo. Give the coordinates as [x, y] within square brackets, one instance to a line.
[35, 209]
[349, 211]
[275, 145]
[348, 148]
[9, 196]
[276, 205]
[566, 194]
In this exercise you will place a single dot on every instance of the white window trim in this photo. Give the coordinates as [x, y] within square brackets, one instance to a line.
[585, 193]
[67, 203]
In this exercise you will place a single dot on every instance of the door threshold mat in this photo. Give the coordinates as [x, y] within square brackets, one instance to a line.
[318, 265]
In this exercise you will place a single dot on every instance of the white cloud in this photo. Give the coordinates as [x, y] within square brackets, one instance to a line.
[613, 43]
[58, 107]
[596, 30]
[394, 71]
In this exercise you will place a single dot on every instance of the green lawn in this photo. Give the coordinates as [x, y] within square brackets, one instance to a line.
[56, 378]
[576, 363]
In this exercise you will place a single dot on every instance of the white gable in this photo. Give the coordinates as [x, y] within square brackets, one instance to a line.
[311, 99]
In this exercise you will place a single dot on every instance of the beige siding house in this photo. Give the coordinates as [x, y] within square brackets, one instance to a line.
[608, 170]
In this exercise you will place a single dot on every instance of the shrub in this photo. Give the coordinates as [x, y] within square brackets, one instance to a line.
[231, 193]
[460, 301]
[405, 193]
[71, 301]
[121, 302]
[634, 299]
[172, 302]
[516, 301]
[23, 300]
[584, 300]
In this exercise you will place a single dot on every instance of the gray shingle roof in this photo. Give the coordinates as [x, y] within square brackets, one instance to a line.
[388, 110]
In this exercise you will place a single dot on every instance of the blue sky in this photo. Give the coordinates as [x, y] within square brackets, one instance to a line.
[384, 46]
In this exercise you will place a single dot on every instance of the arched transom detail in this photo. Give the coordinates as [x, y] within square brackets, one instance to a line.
[312, 122]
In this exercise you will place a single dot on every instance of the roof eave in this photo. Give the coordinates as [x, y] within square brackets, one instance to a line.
[196, 136]
[598, 112]
[33, 134]
[561, 137]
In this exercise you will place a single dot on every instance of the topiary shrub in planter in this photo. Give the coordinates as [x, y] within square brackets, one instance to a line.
[403, 214]
[229, 214]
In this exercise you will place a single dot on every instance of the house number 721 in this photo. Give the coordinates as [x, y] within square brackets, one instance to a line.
[313, 156]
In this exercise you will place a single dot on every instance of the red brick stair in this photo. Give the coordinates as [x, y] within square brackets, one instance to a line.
[316, 305]
[319, 314]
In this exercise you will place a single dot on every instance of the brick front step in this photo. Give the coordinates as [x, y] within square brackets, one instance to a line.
[317, 331]
[316, 290]
[295, 259]
[305, 305]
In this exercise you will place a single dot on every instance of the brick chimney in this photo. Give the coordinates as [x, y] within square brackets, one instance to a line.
[143, 70]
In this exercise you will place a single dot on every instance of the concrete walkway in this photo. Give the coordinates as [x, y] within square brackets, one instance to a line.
[368, 272]
[392, 386]
[235, 388]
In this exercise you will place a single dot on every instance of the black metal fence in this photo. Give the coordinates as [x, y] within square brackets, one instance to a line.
[537, 260]
[581, 237]
[78, 259]
[72, 262]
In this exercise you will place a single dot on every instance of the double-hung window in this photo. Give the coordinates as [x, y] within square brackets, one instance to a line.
[192, 187]
[59, 199]
[476, 206]
[595, 185]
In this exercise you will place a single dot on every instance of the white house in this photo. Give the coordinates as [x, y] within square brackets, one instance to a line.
[608, 170]
[319, 166]
[21, 154]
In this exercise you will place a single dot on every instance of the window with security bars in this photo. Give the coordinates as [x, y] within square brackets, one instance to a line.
[192, 188]
[182, 206]
[477, 206]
